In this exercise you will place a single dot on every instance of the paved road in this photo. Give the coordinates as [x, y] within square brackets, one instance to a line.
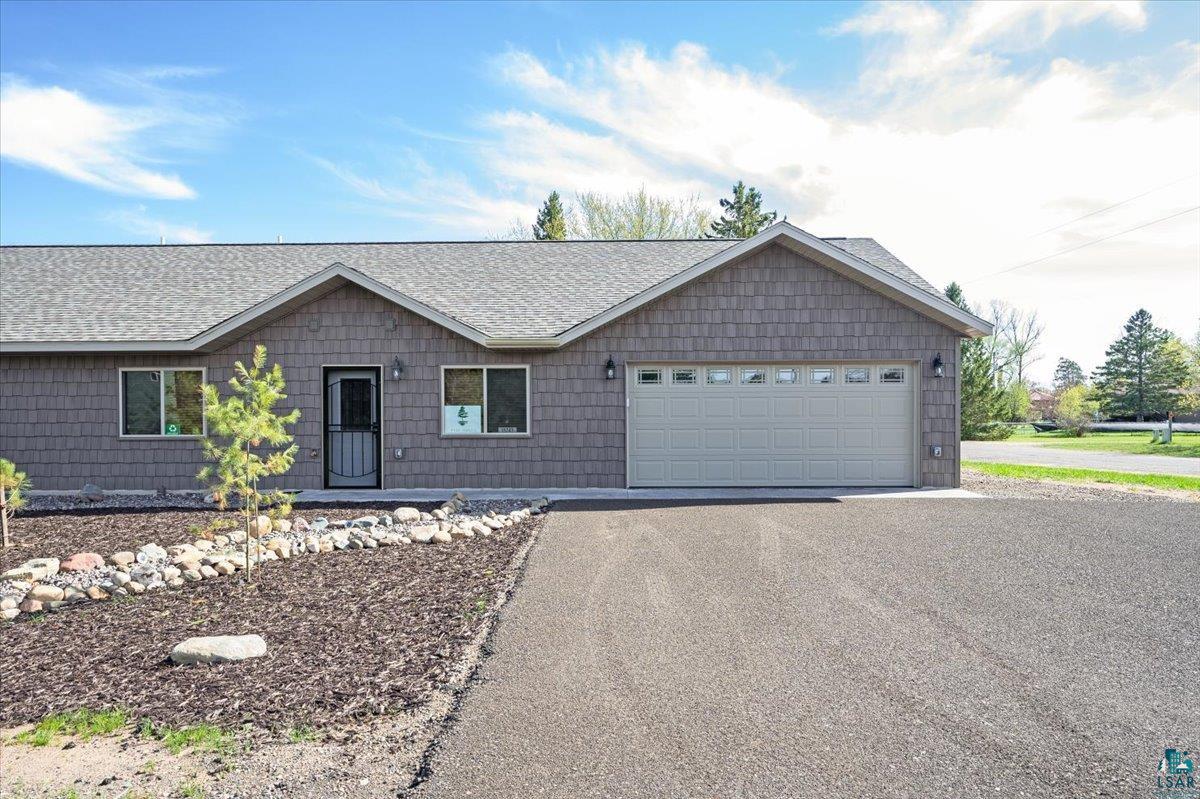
[1038, 455]
[901, 648]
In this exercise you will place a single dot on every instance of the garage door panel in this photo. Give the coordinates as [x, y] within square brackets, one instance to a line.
[857, 407]
[822, 438]
[787, 407]
[650, 407]
[822, 407]
[753, 407]
[719, 407]
[684, 408]
[789, 438]
[685, 439]
[715, 471]
[718, 439]
[858, 438]
[754, 471]
[759, 438]
[649, 439]
[773, 433]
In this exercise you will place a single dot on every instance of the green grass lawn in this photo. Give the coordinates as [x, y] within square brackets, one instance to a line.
[1183, 445]
[1170, 481]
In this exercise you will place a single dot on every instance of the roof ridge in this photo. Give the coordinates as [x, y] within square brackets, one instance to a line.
[360, 243]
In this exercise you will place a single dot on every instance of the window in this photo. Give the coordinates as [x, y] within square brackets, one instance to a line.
[787, 376]
[162, 402]
[891, 374]
[820, 375]
[857, 374]
[719, 376]
[649, 377]
[488, 400]
[686, 377]
[753, 377]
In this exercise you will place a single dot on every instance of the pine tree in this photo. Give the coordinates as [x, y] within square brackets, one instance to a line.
[551, 222]
[1067, 374]
[983, 401]
[1140, 372]
[743, 216]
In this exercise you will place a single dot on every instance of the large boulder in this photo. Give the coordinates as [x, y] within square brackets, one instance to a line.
[46, 593]
[123, 558]
[33, 571]
[218, 649]
[407, 515]
[82, 562]
[423, 534]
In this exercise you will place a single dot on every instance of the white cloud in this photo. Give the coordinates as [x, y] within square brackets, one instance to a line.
[138, 222]
[114, 147]
[944, 150]
[417, 191]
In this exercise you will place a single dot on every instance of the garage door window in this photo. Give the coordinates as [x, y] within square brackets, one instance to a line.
[753, 377]
[683, 377]
[649, 377]
[787, 376]
[820, 376]
[858, 374]
[719, 377]
[891, 374]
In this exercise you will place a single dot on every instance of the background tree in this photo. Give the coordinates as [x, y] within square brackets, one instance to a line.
[551, 224]
[1022, 337]
[982, 400]
[637, 215]
[742, 216]
[1067, 374]
[248, 422]
[1138, 376]
[1075, 409]
[1017, 402]
[13, 485]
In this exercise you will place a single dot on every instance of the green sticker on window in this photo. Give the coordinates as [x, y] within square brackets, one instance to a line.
[172, 429]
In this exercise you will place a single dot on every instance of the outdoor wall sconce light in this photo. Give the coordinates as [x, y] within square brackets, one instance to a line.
[397, 369]
[610, 369]
[939, 370]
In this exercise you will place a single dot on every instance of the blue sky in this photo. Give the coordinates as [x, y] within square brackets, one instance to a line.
[955, 134]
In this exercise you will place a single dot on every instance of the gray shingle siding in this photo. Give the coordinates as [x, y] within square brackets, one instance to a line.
[59, 413]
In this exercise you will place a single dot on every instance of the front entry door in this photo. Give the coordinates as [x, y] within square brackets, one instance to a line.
[352, 427]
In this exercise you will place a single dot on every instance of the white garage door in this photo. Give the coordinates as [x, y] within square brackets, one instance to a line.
[776, 425]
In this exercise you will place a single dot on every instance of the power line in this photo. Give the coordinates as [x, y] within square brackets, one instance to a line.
[1114, 205]
[1081, 246]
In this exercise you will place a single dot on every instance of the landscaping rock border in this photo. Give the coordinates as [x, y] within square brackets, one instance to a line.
[48, 584]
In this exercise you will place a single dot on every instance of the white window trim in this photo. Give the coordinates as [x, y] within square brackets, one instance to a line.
[797, 372]
[637, 373]
[695, 381]
[846, 378]
[732, 376]
[485, 366]
[741, 376]
[833, 376]
[162, 403]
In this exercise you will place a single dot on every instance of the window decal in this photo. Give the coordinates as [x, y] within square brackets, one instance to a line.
[685, 377]
[891, 374]
[857, 374]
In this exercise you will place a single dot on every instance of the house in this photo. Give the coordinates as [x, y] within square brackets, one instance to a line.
[1041, 404]
[779, 360]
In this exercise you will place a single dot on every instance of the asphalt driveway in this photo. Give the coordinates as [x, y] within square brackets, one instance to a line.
[1039, 455]
[877, 648]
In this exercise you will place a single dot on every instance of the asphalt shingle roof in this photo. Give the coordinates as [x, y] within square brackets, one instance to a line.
[504, 289]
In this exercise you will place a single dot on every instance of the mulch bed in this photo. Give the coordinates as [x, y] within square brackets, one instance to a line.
[350, 634]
